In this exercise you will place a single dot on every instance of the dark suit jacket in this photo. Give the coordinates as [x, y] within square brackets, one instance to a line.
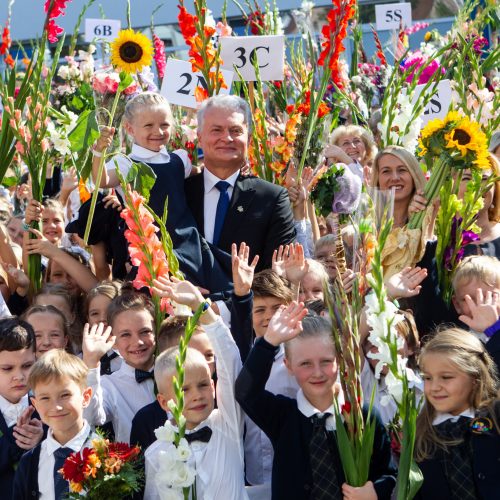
[259, 215]
[493, 348]
[26, 479]
[146, 420]
[290, 433]
[485, 465]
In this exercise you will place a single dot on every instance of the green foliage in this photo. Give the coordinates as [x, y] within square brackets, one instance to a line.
[323, 193]
[141, 178]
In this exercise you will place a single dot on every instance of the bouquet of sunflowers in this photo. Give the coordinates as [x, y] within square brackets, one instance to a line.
[105, 470]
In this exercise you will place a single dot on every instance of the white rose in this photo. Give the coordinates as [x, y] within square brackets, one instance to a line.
[165, 433]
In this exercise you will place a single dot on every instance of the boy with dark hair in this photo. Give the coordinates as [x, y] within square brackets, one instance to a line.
[19, 431]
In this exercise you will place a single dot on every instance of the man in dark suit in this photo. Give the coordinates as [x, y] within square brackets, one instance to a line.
[240, 208]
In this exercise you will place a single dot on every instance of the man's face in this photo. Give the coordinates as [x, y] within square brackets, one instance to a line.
[224, 140]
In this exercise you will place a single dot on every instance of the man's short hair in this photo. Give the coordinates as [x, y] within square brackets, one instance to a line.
[228, 102]
[57, 364]
[16, 334]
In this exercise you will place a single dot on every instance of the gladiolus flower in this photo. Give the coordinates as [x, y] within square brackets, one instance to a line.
[44, 145]
[19, 148]
[159, 56]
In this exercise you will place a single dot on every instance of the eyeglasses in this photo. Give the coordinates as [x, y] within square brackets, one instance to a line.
[353, 142]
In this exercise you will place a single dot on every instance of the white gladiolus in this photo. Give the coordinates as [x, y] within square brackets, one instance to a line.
[183, 450]
[395, 388]
[63, 72]
[182, 475]
[165, 433]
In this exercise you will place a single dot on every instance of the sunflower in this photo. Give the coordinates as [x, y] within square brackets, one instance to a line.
[131, 51]
[467, 136]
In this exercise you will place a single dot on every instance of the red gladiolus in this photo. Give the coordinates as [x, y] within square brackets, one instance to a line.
[57, 10]
[6, 40]
[380, 51]
[186, 23]
[346, 407]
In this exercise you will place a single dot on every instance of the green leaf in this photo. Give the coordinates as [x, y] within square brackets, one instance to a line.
[141, 178]
[10, 181]
[416, 478]
[85, 133]
[346, 452]
[125, 81]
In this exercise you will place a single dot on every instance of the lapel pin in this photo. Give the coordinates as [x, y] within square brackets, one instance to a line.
[240, 208]
[481, 424]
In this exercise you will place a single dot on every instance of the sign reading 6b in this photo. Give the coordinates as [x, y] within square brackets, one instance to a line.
[103, 29]
[243, 52]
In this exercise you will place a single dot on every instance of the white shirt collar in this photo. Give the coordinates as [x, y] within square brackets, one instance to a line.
[210, 180]
[127, 370]
[12, 411]
[141, 153]
[308, 410]
[76, 444]
[443, 417]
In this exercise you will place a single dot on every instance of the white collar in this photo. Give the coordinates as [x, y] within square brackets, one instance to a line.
[129, 371]
[210, 180]
[76, 444]
[146, 154]
[443, 417]
[308, 410]
[12, 411]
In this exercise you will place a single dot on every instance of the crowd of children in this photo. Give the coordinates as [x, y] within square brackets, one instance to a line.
[261, 378]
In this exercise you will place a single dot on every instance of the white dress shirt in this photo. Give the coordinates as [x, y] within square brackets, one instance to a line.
[218, 463]
[259, 452]
[144, 155]
[117, 398]
[308, 410]
[46, 462]
[443, 417]
[212, 198]
[12, 411]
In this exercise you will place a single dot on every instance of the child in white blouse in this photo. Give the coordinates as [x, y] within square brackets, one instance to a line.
[218, 462]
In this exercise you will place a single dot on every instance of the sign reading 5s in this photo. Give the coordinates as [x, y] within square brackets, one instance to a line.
[243, 52]
[180, 83]
[390, 16]
[439, 103]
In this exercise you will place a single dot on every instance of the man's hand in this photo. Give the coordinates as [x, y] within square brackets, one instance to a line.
[278, 261]
[286, 323]
[243, 272]
[483, 311]
[97, 341]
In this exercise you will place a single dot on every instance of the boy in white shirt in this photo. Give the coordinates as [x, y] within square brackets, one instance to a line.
[59, 384]
[119, 396]
[218, 462]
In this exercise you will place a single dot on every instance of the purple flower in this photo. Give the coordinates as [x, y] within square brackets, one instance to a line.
[468, 237]
[415, 61]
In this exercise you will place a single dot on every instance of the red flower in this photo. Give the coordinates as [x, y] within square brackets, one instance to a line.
[346, 407]
[380, 52]
[76, 465]
[123, 451]
[58, 8]
[256, 22]
[159, 57]
[186, 23]
[53, 31]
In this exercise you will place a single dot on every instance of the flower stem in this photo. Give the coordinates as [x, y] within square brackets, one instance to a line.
[100, 172]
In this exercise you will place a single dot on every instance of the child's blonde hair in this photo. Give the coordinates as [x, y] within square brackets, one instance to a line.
[145, 100]
[468, 354]
[165, 365]
[55, 365]
[312, 327]
[480, 267]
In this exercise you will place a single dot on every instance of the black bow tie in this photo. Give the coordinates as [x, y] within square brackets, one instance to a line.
[142, 375]
[204, 434]
[106, 363]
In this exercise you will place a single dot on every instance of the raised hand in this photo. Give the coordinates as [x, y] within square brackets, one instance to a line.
[182, 292]
[22, 281]
[278, 260]
[286, 323]
[243, 272]
[336, 154]
[97, 341]
[112, 201]
[295, 264]
[484, 311]
[406, 283]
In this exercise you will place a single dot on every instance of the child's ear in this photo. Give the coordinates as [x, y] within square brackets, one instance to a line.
[288, 366]
[34, 402]
[87, 396]
[163, 401]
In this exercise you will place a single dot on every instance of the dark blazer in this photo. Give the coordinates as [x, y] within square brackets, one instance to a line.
[290, 433]
[259, 215]
[485, 464]
[493, 348]
[26, 478]
[10, 454]
[241, 323]
[146, 420]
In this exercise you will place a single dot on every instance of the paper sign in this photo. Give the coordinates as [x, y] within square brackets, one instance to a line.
[438, 105]
[102, 29]
[180, 82]
[242, 51]
[390, 16]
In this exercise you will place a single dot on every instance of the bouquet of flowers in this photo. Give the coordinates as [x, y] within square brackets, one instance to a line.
[105, 470]
[325, 188]
[448, 147]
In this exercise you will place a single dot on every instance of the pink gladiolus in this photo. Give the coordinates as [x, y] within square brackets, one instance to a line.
[160, 59]
[44, 145]
[415, 61]
[13, 123]
[223, 29]
[28, 100]
[19, 148]
[37, 125]
[17, 114]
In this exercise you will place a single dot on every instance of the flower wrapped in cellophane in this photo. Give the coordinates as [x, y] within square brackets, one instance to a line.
[104, 470]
